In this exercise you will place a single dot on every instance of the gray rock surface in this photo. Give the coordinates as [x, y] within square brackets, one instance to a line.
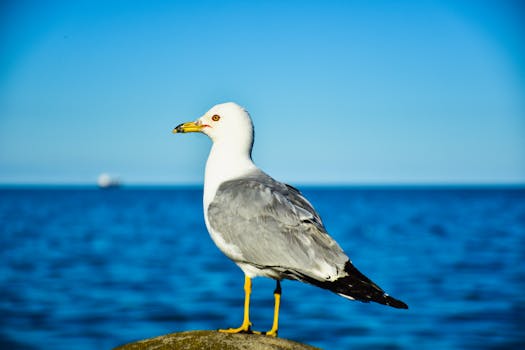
[213, 340]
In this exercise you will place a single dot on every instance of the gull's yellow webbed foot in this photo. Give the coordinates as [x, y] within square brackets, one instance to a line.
[246, 324]
[244, 328]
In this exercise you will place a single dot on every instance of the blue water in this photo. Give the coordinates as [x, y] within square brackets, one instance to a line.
[90, 269]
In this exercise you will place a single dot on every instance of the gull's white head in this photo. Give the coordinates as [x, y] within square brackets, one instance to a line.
[231, 130]
[227, 124]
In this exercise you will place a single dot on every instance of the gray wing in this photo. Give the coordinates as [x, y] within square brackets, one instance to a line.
[274, 227]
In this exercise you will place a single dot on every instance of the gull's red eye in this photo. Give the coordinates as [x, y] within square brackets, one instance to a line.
[216, 118]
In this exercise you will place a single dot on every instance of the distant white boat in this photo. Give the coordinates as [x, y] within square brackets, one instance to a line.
[107, 181]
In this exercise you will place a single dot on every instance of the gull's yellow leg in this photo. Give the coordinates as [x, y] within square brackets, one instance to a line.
[277, 294]
[246, 324]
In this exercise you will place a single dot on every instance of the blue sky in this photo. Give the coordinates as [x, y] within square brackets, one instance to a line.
[346, 92]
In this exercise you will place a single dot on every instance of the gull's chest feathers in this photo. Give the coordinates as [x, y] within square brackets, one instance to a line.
[224, 163]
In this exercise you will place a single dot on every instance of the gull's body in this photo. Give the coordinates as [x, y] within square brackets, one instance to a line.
[267, 227]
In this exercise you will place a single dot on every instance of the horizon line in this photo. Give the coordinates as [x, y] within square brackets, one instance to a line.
[305, 184]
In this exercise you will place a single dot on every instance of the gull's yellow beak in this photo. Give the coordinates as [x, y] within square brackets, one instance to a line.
[188, 127]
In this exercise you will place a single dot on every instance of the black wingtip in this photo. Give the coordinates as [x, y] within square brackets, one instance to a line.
[355, 286]
[398, 304]
[359, 287]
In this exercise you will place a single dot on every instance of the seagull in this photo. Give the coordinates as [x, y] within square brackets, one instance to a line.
[268, 228]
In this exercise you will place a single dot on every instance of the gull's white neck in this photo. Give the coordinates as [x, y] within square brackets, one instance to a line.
[226, 161]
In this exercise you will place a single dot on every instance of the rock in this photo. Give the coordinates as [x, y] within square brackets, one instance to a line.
[198, 340]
